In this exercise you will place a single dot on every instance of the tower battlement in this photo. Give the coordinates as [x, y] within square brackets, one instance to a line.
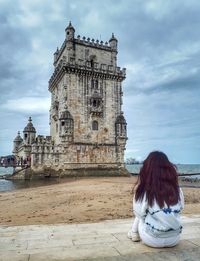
[100, 70]
[87, 42]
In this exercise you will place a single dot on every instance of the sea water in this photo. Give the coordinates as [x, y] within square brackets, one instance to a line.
[5, 171]
[9, 185]
[181, 168]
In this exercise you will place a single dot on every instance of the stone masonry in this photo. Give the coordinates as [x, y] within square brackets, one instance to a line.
[87, 127]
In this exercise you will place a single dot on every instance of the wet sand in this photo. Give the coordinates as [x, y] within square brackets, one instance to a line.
[77, 201]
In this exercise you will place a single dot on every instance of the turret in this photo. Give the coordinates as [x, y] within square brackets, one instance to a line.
[56, 55]
[29, 133]
[121, 136]
[70, 32]
[120, 127]
[113, 42]
[66, 126]
[16, 143]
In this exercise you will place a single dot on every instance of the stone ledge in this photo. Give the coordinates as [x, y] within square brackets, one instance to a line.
[95, 241]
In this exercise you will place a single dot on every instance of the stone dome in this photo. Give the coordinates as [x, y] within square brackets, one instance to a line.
[120, 119]
[113, 38]
[65, 115]
[18, 138]
[29, 127]
[70, 27]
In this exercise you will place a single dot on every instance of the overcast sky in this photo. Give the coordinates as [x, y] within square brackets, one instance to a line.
[159, 44]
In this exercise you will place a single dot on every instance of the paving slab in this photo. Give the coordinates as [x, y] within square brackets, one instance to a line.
[76, 253]
[94, 241]
[15, 257]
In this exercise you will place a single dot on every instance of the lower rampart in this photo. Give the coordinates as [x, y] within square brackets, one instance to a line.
[46, 172]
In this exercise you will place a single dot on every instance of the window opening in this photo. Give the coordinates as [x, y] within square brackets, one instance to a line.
[94, 103]
[92, 63]
[96, 85]
[95, 125]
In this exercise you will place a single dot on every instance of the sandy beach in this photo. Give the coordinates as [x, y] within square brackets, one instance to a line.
[77, 201]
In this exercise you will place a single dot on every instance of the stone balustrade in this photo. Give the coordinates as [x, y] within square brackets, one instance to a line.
[80, 65]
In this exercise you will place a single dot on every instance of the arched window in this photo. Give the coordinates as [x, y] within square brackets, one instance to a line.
[96, 85]
[95, 125]
[94, 103]
[92, 63]
[92, 84]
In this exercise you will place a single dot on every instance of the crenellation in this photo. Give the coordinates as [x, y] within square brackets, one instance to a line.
[87, 42]
[91, 42]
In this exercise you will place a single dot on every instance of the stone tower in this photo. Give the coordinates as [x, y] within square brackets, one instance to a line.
[87, 126]
[29, 133]
[16, 143]
[22, 147]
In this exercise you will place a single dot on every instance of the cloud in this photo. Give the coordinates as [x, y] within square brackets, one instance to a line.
[159, 43]
[159, 10]
[28, 105]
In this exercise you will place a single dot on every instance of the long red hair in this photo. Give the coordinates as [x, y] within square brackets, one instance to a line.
[158, 179]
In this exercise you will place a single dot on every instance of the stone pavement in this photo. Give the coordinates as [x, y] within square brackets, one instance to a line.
[97, 241]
